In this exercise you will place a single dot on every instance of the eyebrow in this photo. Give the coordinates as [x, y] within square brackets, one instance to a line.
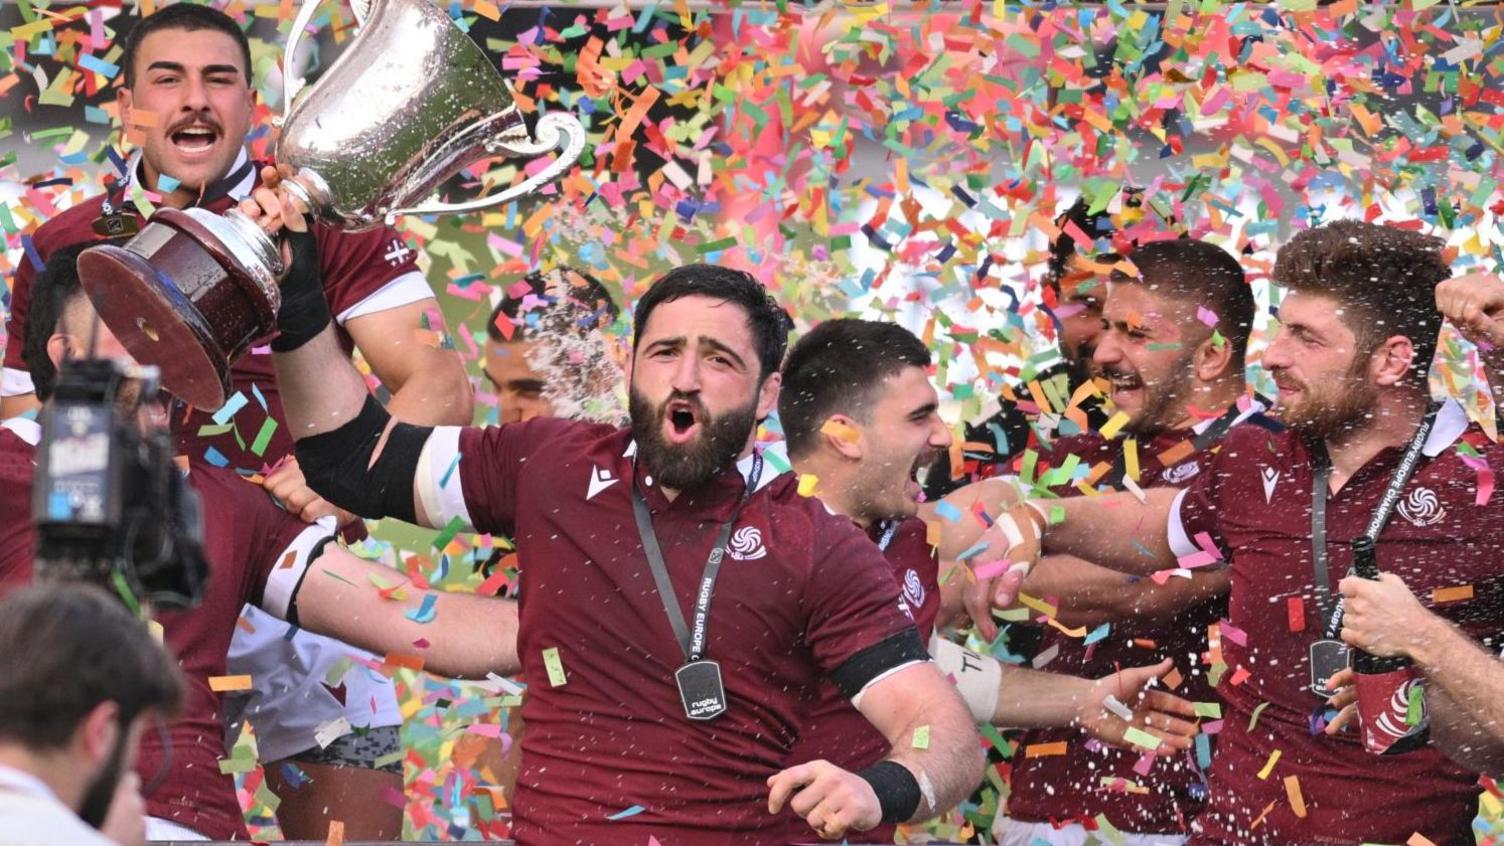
[720, 347]
[179, 68]
[925, 410]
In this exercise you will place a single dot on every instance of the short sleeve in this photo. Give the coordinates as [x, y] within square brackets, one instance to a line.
[1194, 514]
[266, 539]
[471, 473]
[357, 266]
[854, 624]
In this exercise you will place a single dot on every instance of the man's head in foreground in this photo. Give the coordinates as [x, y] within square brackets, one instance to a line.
[1358, 321]
[706, 349]
[859, 412]
[80, 679]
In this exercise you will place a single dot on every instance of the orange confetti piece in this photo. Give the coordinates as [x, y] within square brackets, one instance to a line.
[1418, 839]
[840, 431]
[1292, 792]
[221, 684]
[336, 835]
[1044, 750]
[1452, 594]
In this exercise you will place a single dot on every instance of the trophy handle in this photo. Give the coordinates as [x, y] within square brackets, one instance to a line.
[555, 131]
[292, 82]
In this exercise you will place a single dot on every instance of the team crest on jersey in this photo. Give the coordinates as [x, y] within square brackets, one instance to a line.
[1422, 508]
[1181, 472]
[746, 544]
[913, 589]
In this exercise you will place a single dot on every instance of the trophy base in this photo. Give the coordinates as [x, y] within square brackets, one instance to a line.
[176, 298]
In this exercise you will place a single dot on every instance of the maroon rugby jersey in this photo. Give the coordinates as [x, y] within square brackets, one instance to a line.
[1254, 503]
[245, 536]
[802, 595]
[355, 266]
[17, 533]
[1083, 782]
[836, 731]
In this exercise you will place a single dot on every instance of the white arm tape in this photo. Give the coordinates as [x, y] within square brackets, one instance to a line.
[977, 677]
[438, 478]
[1180, 542]
[287, 576]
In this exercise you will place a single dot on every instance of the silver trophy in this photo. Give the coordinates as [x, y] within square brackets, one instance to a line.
[410, 102]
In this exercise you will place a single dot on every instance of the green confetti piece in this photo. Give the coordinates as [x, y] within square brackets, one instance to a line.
[555, 666]
[1254, 719]
[922, 737]
[264, 437]
[1415, 707]
[1139, 737]
[451, 529]
[1210, 710]
[390, 758]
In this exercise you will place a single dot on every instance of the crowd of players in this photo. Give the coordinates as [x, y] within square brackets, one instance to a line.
[749, 654]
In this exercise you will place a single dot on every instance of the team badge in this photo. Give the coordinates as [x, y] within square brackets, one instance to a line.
[1422, 508]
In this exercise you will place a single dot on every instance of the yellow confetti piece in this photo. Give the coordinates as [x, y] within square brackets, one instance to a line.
[807, 484]
[1078, 632]
[1130, 459]
[1297, 801]
[555, 666]
[1269, 765]
[1044, 750]
[922, 737]
[1037, 604]
[1111, 428]
[840, 431]
[220, 684]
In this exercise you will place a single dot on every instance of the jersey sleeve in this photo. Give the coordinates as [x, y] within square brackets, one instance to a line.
[366, 272]
[1195, 513]
[471, 473]
[275, 547]
[854, 624]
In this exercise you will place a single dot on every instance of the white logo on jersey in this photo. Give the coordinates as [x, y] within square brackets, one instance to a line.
[1180, 472]
[1422, 508]
[600, 479]
[913, 589]
[746, 544]
[1271, 478]
[398, 252]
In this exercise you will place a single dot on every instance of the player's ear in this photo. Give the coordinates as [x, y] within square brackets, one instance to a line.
[767, 395]
[843, 435]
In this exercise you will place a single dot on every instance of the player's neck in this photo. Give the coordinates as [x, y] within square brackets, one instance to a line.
[833, 484]
[1392, 422]
[1208, 398]
[58, 771]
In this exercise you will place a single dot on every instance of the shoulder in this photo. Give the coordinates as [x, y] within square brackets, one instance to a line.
[1085, 446]
[73, 225]
[1257, 433]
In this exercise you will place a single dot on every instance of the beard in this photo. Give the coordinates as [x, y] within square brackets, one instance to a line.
[1163, 400]
[1336, 407]
[721, 439]
[101, 791]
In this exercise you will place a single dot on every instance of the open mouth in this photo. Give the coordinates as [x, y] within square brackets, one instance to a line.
[683, 421]
[194, 139]
[1122, 384]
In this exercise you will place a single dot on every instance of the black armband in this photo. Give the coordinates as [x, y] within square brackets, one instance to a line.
[892, 652]
[292, 602]
[337, 465]
[896, 788]
[304, 312]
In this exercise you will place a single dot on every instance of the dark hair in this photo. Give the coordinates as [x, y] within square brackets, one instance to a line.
[187, 17]
[836, 369]
[566, 291]
[770, 323]
[1198, 273]
[66, 648]
[51, 292]
[1387, 276]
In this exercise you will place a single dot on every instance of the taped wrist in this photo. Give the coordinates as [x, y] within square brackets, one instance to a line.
[337, 464]
[305, 311]
[896, 788]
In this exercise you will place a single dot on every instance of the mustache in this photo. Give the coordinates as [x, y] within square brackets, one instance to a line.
[692, 400]
[197, 119]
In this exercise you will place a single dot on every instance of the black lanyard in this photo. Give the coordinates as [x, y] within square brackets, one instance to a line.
[692, 644]
[216, 190]
[1331, 610]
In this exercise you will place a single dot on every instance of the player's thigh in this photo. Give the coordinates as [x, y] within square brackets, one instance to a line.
[344, 783]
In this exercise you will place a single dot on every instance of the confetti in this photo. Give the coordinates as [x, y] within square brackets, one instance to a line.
[555, 666]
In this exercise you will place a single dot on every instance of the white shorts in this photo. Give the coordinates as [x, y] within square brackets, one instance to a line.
[289, 700]
[1016, 833]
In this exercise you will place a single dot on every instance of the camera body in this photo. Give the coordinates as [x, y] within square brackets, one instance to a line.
[110, 506]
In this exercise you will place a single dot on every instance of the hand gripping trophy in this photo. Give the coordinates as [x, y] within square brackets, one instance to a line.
[411, 102]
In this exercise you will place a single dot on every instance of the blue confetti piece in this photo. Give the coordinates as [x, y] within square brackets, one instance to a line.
[167, 184]
[1099, 633]
[260, 398]
[215, 457]
[974, 550]
[629, 812]
[444, 480]
[948, 511]
[229, 409]
[1203, 751]
[425, 612]
[98, 65]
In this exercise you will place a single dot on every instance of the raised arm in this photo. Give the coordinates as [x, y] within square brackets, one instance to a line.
[1088, 595]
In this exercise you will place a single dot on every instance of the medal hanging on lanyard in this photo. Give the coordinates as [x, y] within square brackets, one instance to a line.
[1329, 655]
[116, 221]
[700, 685]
